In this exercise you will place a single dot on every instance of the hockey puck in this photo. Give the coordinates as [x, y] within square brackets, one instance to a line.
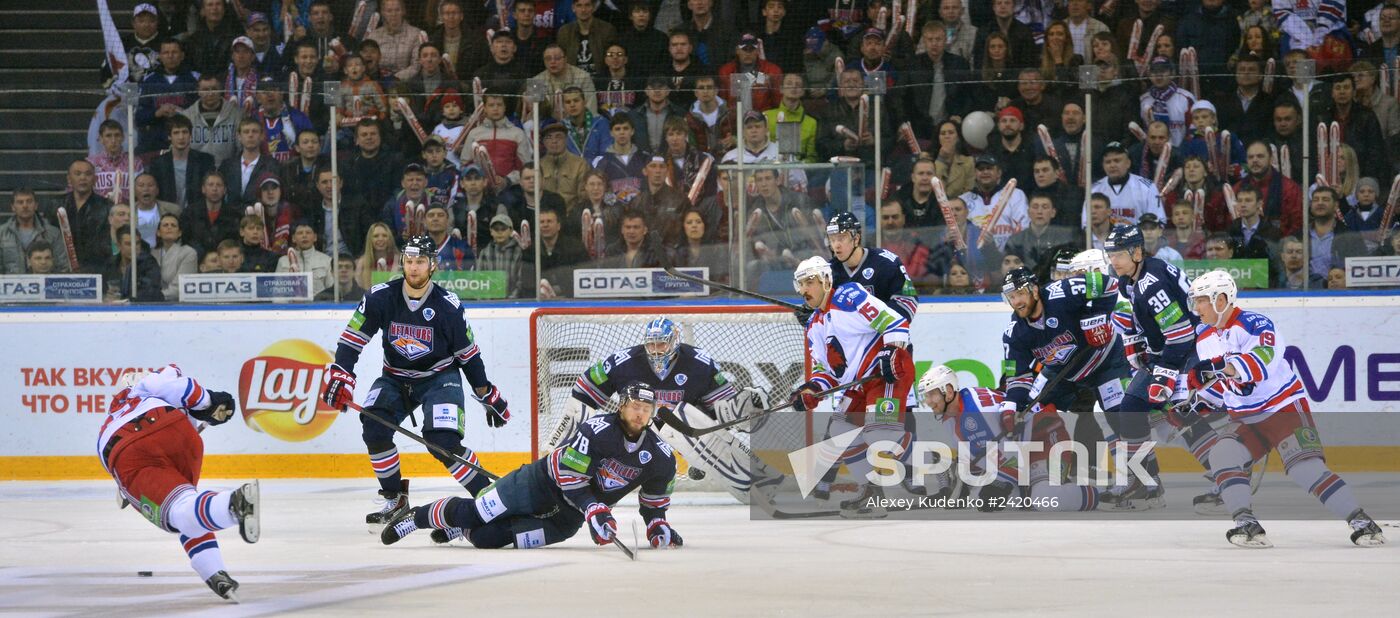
[144, 574]
[695, 473]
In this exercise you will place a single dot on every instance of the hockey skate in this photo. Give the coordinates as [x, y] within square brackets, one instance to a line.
[1365, 531]
[395, 504]
[223, 585]
[822, 491]
[244, 507]
[1135, 496]
[1209, 503]
[443, 537]
[399, 527]
[865, 506]
[1248, 534]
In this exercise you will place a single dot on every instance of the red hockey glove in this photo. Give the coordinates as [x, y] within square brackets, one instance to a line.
[804, 399]
[337, 386]
[660, 534]
[1098, 330]
[1163, 384]
[601, 523]
[497, 408]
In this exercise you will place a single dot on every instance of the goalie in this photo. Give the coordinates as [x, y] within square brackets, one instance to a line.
[687, 381]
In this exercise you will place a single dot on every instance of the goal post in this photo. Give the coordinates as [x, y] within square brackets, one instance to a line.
[758, 346]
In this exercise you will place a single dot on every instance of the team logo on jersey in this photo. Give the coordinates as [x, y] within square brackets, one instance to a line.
[645, 457]
[1052, 322]
[868, 273]
[835, 356]
[969, 424]
[279, 389]
[681, 379]
[615, 475]
[1057, 351]
[411, 341]
[428, 313]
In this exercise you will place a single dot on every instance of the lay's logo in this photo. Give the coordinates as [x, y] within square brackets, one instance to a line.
[279, 391]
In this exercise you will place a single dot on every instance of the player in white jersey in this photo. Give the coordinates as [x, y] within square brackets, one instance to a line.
[851, 336]
[151, 447]
[974, 415]
[1242, 369]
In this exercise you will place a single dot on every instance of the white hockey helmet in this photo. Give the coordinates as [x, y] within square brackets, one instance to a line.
[815, 266]
[1092, 260]
[1215, 283]
[935, 378]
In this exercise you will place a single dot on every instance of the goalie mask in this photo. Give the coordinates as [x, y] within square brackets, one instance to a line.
[661, 337]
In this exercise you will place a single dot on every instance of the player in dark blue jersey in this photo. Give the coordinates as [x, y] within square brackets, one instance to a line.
[547, 501]
[427, 342]
[877, 270]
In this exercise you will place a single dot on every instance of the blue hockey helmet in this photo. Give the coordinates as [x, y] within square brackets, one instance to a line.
[1123, 238]
[661, 337]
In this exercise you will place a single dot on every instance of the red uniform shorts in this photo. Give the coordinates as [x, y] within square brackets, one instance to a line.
[152, 456]
[888, 398]
[1290, 430]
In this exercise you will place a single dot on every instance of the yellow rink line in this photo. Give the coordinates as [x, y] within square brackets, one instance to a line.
[349, 465]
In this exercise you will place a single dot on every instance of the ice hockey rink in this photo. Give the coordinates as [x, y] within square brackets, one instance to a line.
[68, 551]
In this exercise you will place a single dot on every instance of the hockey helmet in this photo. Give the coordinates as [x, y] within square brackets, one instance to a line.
[1092, 260]
[1123, 238]
[1213, 284]
[844, 222]
[1063, 257]
[637, 391]
[814, 266]
[661, 338]
[420, 246]
[1017, 279]
[935, 379]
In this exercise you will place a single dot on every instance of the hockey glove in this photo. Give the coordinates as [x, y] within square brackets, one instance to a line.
[1132, 346]
[888, 363]
[1187, 412]
[803, 314]
[337, 386]
[1098, 330]
[1206, 371]
[601, 523]
[221, 408]
[661, 534]
[1163, 384]
[804, 399]
[497, 409]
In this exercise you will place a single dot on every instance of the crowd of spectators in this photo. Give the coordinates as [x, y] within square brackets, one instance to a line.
[1195, 133]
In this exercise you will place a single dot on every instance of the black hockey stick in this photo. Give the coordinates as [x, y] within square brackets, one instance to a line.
[419, 439]
[671, 270]
[682, 428]
[1078, 360]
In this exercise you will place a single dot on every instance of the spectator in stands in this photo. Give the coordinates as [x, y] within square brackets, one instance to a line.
[1331, 241]
[1219, 246]
[1037, 242]
[370, 54]
[463, 47]
[1146, 156]
[321, 215]
[117, 273]
[997, 71]
[520, 199]
[919, 207]
[1382, 104]
[559, 254]
[684, 67]
[1153, 242]
[712, 37]
[372, 172]
[230, 256]
[982, 199]
[1213, 30]
[1165, 101]
[504, 72]
[454, 253]
[1360, 128]
[299, 172]
[1083, 27]
[174, 257]
[503, 254]
[906, 244]
[782, 37]
[282, 122]
[694, 249]
[142, 46]
[1014, 151]
[1386, 48]
[950, 251]
[935, 91]
[622, 162]
[1018, 36]
[278, 213]
[242, 172]
[450, 130]
[559, 75]
[1203, 119]
[350, 288]
[1287, 131]
[399, 210]
[24, 230]
[1037, 106]
[649, 117]
[634, 248]
[241, 77]
[780, 240]
[211, 219]
[641, 40]
[661, 203]
[818, 62]
[584, 39]
[1256, 39]
[844, 112]
[1246, 111]
[252, 231]
[1067, 198]
[303, 257]
[117, 217]
[562, 170]
[1255, 236]
[397, 39]
[617, 83]
[164, 93]
[178, 170]
[953, 167]
[1212, 215]
[686, 160]
[321, 30]
[1100, 217]
[1129, 194]
[87, 216]
[1184, 235]
[1059, 62]
[1293, 271]
[361, 97]
[476, 199]
[213, 121]
[381, 254]
[208, 45]
[715, 118]
[1361, 213]
[1348, 176]
[149, 209]
[593, 198]
[960, 35]
[586, 133]
[1281, 197]
[507, 143]
[268, 57]
[767, 77]
[112, 165]
[39, 259]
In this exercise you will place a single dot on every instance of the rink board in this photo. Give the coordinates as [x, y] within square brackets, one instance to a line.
[61, 366]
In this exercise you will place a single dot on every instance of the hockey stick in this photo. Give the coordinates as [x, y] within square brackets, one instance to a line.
[419, 439]
[671, 270]
[1078, 360]
[682, 428]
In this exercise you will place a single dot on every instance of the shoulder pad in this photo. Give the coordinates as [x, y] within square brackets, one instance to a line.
[848, 296]
[1255, 323]
[597, 424]
[450, 297]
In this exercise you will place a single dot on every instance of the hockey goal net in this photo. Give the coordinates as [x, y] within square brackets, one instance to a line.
[758, 346]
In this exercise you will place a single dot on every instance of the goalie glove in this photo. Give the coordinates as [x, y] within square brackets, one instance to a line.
[804, 399]
[601, 524]
[337, 386]
[660, 534]
[221, 408]
[497, 408]
[1163, 384]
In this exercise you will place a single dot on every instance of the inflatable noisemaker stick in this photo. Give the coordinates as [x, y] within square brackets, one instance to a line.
[482, 158]
[698, 185]
[761, 54]
[260, 211]
[1171, 184]
[598, 238]
[754, 218]
[447, 64]
[894, 15]
[471, 230]
[1386, 218]
[843, 131]
[863, 110]
[477, 92]
[1273, 156]
[305, 94]
[502, 15]
[799, 221]
[523, 237]
[1160, 173]
[1225, 155]
[412, 120]
[1284, 160]
[1212, 150]
[381, 264]
[1134, 40]
[894, 32]
[293, 260]
[882, 19]
[586, 231]
[906, 133]
[1334, 150]
[1049, 145]
[374, 22]
[1136, 129]
[67, 231]
[1322, 157]
[1151, 47]
[406, 217]
[941, 196]
[359, 21]
[546, 290]
[910, 14]
[885, 184]
[1002, 200]
[840, 66]
[420, 213]
[1269, 68]
[1230, 204]
[293, 89]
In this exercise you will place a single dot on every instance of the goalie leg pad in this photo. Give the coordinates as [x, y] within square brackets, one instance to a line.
[575, 413]
[721, 453]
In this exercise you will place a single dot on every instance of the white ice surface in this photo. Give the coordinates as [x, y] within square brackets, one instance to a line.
[65, 549]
